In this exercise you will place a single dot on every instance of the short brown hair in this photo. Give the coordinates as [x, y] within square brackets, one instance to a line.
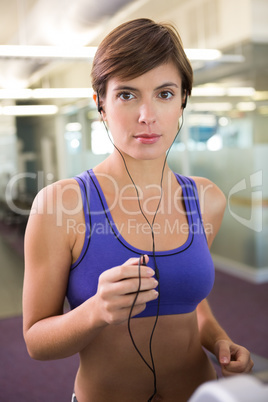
[136, 47]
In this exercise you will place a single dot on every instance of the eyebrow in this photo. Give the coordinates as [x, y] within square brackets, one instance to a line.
[129, 88]
[167, 84]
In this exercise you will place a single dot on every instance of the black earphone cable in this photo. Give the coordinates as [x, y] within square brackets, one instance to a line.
[152, 368]
[130, 314]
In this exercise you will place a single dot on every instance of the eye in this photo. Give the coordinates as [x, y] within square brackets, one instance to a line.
[125, 96]
[166, 95]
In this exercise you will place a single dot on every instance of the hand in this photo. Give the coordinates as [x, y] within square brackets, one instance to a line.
[233, 358]
[118, 287]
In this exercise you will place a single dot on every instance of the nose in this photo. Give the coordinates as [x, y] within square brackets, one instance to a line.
[147, 114]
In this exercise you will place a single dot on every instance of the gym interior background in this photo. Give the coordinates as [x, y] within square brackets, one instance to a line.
[50, 128]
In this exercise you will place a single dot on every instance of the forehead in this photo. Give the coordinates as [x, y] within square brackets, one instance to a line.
[164, 73]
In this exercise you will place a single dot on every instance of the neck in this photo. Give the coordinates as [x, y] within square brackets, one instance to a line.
[143, 172]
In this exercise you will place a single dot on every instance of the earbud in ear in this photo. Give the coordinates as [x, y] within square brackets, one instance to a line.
[185, 100]
[100, 109]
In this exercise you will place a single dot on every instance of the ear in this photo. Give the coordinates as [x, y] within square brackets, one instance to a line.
[184, 101]
[98, 103]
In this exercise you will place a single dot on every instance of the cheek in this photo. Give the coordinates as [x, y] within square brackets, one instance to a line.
[171, 120]
[119, 120]
[171, 112]
[116, 125]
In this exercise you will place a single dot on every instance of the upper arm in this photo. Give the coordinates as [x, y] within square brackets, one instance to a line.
[48, 252]
[212, 205]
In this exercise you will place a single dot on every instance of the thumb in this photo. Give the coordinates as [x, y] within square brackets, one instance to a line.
[224, 354]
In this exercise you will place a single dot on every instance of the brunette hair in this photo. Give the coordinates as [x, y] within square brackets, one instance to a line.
[136, 47]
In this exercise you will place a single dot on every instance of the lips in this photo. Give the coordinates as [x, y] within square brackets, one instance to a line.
[147, 138]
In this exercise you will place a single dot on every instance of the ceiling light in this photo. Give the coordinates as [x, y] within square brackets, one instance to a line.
[208, 91]
[45, 93]
[75, 126]
[85, 52]
[246, 106]
[15, 93]
[29, 110]
[216, 90]
[203, 54]
[48, 52]
[54, 93]
[241, 91]
[211, 107]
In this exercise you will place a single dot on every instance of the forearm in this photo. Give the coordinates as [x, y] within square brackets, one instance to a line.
[64, 335]
[209, 328]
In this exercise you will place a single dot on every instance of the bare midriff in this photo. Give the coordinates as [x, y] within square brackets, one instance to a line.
[111, 369]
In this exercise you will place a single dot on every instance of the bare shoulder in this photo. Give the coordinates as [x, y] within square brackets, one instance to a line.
[54, 207]
[62, 195]
[211, 197]
[212, 205]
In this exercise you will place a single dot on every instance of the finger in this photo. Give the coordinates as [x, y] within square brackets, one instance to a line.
[129, 286]
[228, 373]
[234, 368]
[121, 274]
[127, 302]
[142, 298]
[143, 260]
[242, 365]
[224, 354]
[131, 271]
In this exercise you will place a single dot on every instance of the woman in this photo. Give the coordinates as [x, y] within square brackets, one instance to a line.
[129, 238]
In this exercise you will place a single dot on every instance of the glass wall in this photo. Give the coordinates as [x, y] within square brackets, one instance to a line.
[224, 149]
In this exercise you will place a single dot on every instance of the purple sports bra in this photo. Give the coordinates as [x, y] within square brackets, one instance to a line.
[186, 273]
